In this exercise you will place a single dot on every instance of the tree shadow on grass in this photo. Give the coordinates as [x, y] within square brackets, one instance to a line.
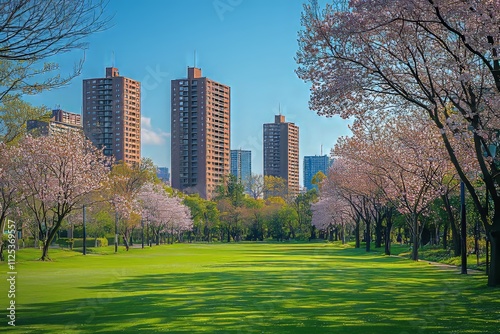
[276, 296]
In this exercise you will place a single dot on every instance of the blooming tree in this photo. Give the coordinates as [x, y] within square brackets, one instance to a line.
[439, 58]
[164, 213]
[125, 184]
[55, 173]
[332, 212]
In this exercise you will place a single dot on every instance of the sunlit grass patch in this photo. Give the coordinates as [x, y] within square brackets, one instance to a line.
[247, 288]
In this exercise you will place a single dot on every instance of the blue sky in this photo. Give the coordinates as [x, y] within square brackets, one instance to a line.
[249, 45]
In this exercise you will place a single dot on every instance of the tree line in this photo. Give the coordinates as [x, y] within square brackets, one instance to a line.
[424, 62]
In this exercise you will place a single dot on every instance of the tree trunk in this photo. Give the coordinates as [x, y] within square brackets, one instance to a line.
[2, 228]
[445, 236]
[388, 229]
[125, 241]
[342, 233]
[493, 232]
[457, 246]
[414, 253]
[48, 240]
[436, 240]
[494, 272]
[368, 236]
[378, 233]
[45, 252]
[356, 233]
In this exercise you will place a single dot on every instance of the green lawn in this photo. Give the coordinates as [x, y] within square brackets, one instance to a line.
[245, 288]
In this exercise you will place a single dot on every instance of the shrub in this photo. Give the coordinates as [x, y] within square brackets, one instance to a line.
[101, 242]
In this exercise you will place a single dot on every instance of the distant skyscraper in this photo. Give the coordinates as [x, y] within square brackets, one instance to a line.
[200, 110]
[163, 174]
[281, 152]
[112, 115]
[61, 121]
[313, 165]
[241, 164]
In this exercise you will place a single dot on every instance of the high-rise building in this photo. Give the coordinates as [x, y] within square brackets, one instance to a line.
[281, 152]
[163, 174]
[112, 115]
[241, 164]
[61, 116]
[61, 121]
[200, 142]
[312, 165]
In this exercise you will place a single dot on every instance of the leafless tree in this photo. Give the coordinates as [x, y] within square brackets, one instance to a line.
[32, 31]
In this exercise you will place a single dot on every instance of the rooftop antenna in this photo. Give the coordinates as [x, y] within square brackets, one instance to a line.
[279, 108]
[321, 152]
[113, 58]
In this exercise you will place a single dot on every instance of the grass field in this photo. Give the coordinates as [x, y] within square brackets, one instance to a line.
[245, 288]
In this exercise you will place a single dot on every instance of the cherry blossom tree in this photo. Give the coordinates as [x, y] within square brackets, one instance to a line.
[164, 213]
[404, 161]
[438, 58]
[125, 184]
[360, 195]
[176, 217]
[331, 213]
[54, 174]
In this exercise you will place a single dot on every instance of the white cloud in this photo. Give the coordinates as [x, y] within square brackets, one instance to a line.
[150, 136]
[146, 122]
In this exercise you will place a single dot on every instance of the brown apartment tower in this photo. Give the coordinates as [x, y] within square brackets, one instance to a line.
[200, 133]
[112, 115]
[281, 152]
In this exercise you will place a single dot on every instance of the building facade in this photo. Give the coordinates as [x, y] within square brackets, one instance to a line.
[241, 164]
[112, 115]
[61, 121]
[281, 152]
[312, 165]
[200, 142]
[61, 116]
[163, 174]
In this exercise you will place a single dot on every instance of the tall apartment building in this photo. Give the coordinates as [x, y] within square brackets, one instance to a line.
[112, 115]
[241, 164]
[312, 165]
[281, 152]
[61, 121]
[200, 140]
[61, 116]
